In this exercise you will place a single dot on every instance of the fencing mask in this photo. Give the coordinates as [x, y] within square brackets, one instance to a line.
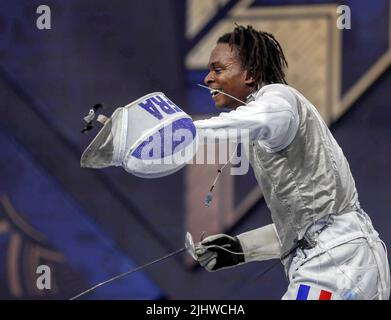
[150, 138]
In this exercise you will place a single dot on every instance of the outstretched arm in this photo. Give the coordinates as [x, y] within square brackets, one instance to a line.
[272, 118]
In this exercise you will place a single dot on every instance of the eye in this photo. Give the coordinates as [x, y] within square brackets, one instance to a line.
[218, 70]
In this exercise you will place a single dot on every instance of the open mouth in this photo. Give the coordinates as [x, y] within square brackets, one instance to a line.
[215, 91]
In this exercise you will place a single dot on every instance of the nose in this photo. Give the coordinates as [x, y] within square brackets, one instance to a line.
[209, 78]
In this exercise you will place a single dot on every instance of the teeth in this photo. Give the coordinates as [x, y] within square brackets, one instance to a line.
[214, 92]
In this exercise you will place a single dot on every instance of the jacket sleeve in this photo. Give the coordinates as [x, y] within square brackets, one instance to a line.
[260, 244]
[271, 118]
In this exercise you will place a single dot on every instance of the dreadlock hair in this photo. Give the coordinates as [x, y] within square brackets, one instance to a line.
[260, 54]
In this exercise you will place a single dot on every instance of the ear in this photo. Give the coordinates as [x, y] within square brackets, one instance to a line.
[250, 81]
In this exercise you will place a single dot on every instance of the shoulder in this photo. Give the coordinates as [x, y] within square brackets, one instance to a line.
[278, 90]
[278, 94]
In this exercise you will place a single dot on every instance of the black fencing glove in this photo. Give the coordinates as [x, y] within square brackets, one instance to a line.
[212, 257]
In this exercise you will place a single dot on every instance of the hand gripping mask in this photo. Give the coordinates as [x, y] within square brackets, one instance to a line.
[150, 138]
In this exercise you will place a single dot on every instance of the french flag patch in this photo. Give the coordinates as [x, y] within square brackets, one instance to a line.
[306, 292]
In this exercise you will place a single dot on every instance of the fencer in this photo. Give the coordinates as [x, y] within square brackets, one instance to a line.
[324, 239]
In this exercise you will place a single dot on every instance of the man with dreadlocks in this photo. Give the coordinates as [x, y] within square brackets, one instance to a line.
[324, 239]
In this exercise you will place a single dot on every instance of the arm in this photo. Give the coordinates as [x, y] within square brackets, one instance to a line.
[261, 244]
[222, 251]
[272, 118]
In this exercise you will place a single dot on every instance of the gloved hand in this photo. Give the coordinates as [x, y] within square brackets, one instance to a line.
[213, 258]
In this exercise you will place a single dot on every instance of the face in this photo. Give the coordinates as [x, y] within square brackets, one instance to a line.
[227, 75]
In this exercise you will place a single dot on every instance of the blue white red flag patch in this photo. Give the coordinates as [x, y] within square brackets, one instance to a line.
[306, 292]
